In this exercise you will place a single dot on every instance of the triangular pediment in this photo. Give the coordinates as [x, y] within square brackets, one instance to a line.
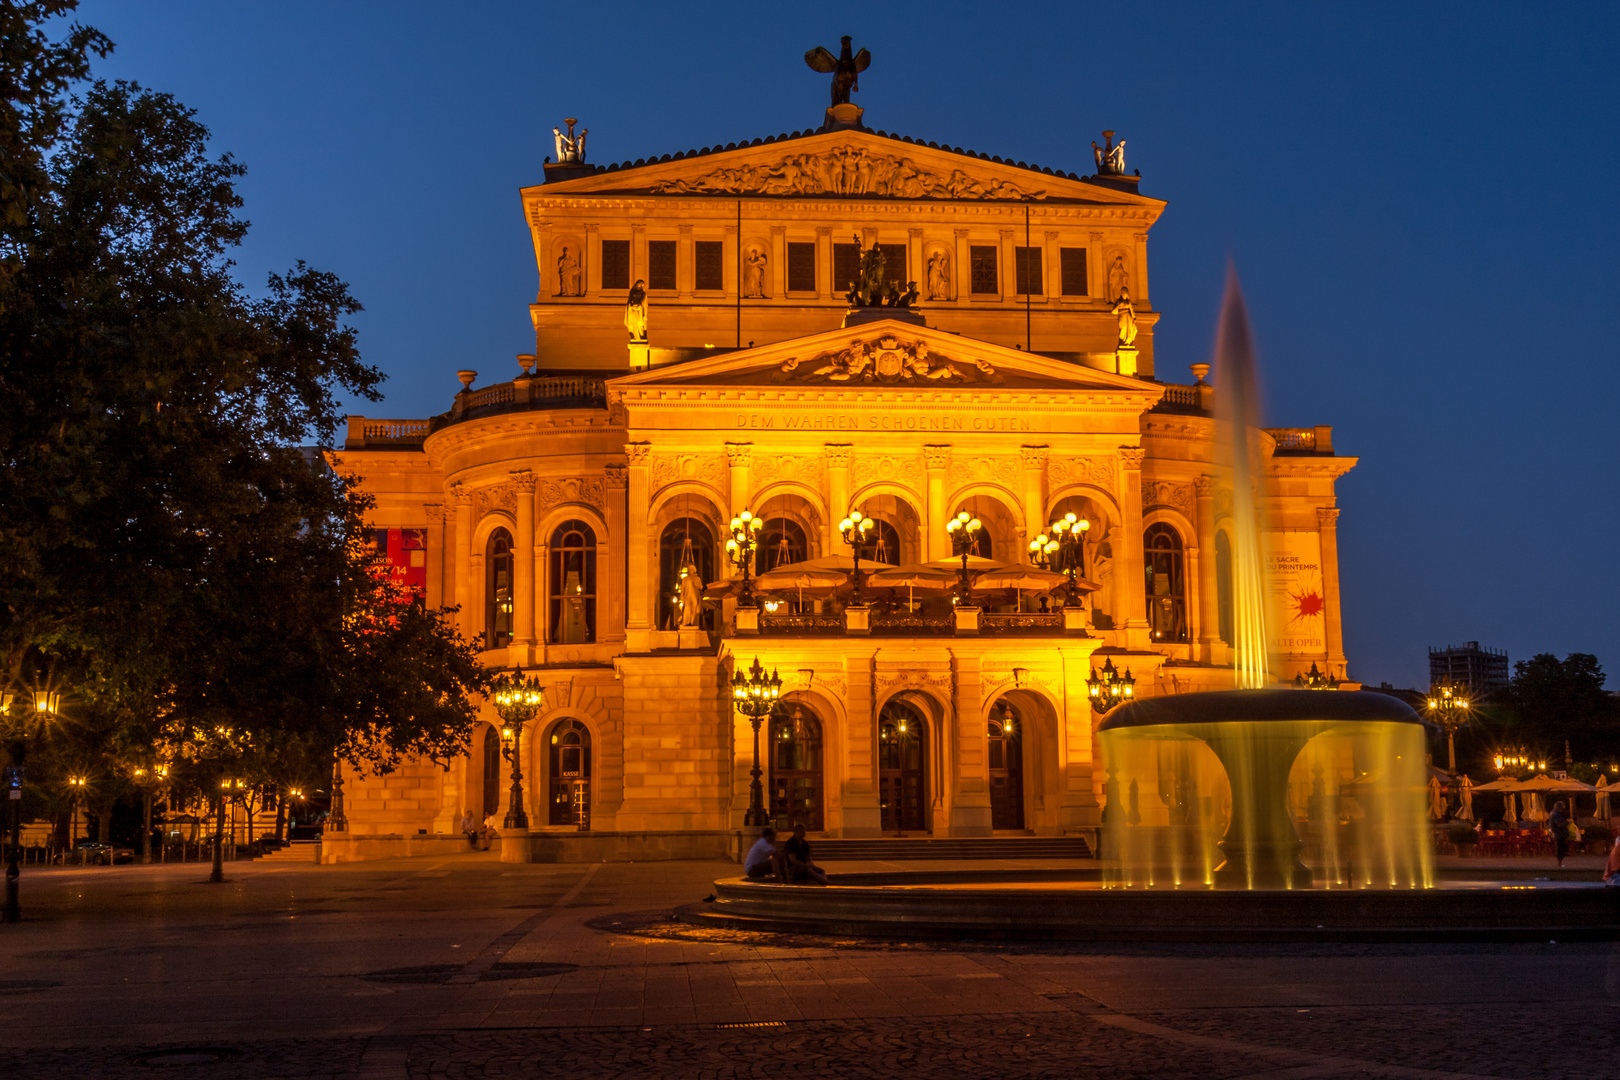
[886, 354]
[851, 163]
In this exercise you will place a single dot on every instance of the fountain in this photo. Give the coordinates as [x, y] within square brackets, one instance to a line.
[1223, 764]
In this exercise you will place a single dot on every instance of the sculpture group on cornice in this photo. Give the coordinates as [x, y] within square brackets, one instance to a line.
[845, 170]
[887, 361]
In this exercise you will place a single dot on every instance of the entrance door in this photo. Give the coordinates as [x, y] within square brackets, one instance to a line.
[570, 774]
[1006, 767]
[492, 772]
[795, 758]
[902, 786]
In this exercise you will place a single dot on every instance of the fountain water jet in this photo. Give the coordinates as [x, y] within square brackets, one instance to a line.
[1253, 737]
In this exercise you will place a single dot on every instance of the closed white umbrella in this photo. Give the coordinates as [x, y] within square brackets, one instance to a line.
[1510, 809]
[1465, 799]
[1535, 811]
[1602, 810]
[1437, 799]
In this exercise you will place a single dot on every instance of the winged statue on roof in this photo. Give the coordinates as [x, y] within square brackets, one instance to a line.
[844, 68]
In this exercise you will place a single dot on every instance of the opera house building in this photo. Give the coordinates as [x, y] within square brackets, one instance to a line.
[860, 346]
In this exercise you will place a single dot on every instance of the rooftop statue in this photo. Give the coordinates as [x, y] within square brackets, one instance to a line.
[570, 148]
[1110, 158]
[844, 68]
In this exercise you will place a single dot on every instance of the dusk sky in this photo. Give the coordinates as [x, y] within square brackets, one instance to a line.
[1420, 200]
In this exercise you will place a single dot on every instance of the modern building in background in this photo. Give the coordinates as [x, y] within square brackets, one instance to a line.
[696, 355]
[1468, 665]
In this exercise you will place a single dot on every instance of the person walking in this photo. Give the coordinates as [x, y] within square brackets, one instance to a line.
[1558, 824]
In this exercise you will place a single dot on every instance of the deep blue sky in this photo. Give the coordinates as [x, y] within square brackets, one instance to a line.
[1420, 198]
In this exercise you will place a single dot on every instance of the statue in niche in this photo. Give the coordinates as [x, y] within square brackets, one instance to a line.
[570, 148]
[691, 596]
[844, 68]
[754, 274]
[1118, 278]
[635, 312]
[939, 276]
[1126, 314]
[1111, 158]
[569, 280]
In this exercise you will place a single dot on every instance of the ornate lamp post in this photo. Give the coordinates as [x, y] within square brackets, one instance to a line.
[755, 696]
[519, 701]
[336, 819]
[1062, 547]
[856, 531]
[1450, 710]
[17, 719]
[740, 550]
[1315, 680]
[1108, 687]
[963, 530]
[148, 780]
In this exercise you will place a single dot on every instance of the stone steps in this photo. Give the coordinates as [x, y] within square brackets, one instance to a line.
[922, 847]
[300, 851]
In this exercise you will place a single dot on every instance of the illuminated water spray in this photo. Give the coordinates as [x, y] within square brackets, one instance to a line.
[1238, 414]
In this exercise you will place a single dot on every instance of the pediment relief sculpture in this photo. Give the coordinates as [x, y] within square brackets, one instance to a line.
[888, 361]
[846, 170]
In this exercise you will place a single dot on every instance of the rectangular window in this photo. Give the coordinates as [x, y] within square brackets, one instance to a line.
[711, 265]
[1073, 271]
[801, 267]
[982, 260]
[660, 264]
[1028, 271]
[615, 264]
[846, 266]
[894, 264]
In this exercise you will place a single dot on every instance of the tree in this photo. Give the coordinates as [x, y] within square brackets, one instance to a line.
[1557, 700]
[173, 550]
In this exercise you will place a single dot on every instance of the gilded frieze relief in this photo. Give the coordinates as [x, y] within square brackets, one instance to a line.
[892, 468]
[587, 490]
[889, 361]
[711, 469]
[771, 468]
[1097, 471]
[1003, 469]
[1168, 493]
[497, 497]
[846, 170]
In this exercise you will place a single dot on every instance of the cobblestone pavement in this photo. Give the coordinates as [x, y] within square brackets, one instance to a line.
[465, 967]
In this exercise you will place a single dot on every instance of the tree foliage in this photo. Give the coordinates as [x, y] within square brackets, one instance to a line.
[173, 551]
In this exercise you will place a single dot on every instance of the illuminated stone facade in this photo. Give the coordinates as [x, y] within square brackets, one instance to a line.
[557, 508]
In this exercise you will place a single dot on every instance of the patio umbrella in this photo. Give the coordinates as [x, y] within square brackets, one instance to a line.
[911, 577]
[1437, 799]
[1545, 783]
[1020, 578]
[1465, 799]
[799, 577]
[1510, 808]
[1506, 783]
[1602, 790]
[1535, 811]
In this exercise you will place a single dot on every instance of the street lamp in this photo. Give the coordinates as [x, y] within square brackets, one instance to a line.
[963, 530]
[856, 531]
[1062, 547]
[1108, 687]
[755, 696]
[519, 701]
[1315, 680]
[740, 551]
[1450, 710]
[148, 780]
[46, 704]
[76, 786]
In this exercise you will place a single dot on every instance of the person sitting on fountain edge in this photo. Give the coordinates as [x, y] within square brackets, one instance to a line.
[763, 859]
[799, 865]
[1558, 825]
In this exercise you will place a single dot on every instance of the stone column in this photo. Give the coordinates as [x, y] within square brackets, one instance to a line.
[471, 605]
[859, 787]
[961, 272]
[741, 457]
[937, 459]
[523, 554]
[610, 558]
[1129, 584]
[590, 261]
[1034, 462]
[838, 457]
[776, 280]
[1052, 272]
[1007, 270]
[1209, 603]
[638, 253]
[733, 278]
[685, 261]
[638, 624]
[436, 540]
[914, 261]
[968, 774]
[1327, 523]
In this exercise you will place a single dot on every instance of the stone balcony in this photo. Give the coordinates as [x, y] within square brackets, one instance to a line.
[865, 622]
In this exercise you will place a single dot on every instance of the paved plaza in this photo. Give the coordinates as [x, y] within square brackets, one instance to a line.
[462, 966]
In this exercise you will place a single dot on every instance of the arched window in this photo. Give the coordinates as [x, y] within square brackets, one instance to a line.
[492, 772]
[902, 781]
[994, 522]
[570, 774]
[781, 542]
[573, 584]
[1223, 584]
[1162, 560]
[885, 545]
[498, 590]
[795, 759]
[1006, 766]
[686, 542]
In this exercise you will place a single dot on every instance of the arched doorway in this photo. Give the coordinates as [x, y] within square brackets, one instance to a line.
[1006, 757]
[492, 773]
[570, 774]
[795, 775]
[902, 777]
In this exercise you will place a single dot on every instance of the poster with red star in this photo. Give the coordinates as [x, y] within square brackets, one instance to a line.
[1294, 588]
